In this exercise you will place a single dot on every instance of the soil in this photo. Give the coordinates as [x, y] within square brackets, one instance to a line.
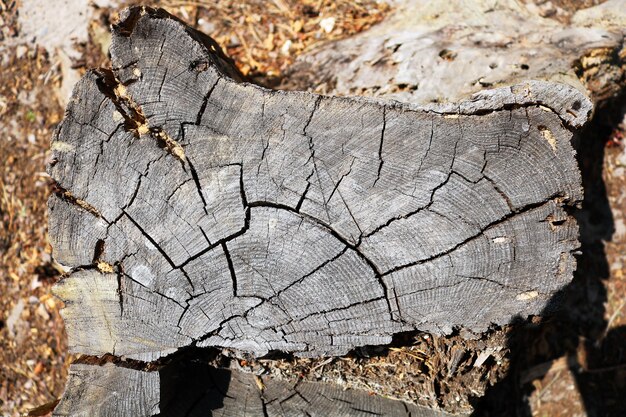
[573, 362]
[33, 359]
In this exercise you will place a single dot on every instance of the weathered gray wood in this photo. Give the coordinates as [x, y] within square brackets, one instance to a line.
[105, 391]
[228, 215]
[196, 210]
[197, 389]
[444, 51]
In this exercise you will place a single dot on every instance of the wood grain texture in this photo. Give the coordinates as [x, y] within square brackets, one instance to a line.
[195, 389]
[198, 210]
[106, 391]
[447, 50]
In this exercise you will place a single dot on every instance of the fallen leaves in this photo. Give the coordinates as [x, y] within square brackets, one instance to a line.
[264, 38]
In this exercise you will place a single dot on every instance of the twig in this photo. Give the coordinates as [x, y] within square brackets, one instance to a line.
[616, 313]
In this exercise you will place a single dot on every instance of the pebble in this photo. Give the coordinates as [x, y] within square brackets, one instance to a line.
[286, 48]
[20, 51]
[327, 24]
[206, 26]
[14, 317]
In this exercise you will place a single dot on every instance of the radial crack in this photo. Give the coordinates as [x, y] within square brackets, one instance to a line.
[491, 225]
[380, 149]
[231, 268]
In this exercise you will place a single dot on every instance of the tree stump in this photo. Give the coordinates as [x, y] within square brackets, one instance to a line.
[197, 389]
[196, 210]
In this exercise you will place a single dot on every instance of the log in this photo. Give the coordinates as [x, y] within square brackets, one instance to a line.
[196, 210]
[195, 389]
[445, 51]
[109, 390]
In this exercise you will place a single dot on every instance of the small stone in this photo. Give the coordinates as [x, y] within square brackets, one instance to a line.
[20, 51]
[14, 317]
[286, 48]
[327, 24]
[206, 26]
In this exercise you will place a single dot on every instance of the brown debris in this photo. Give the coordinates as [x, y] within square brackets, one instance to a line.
[33, 358]
[434, 372]
[262, 37]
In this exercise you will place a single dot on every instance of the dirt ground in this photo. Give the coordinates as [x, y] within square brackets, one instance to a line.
[570, 364]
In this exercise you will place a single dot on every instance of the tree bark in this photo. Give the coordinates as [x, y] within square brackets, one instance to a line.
[197, 210]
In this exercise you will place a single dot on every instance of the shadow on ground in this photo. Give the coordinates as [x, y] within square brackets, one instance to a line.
[575, 324]
[191, 387]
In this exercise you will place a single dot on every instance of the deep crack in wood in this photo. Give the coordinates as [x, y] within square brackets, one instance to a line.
[306, 224]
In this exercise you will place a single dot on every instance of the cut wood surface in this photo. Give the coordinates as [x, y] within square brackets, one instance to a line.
[98, 391]
[194, 209]
[197, 389]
